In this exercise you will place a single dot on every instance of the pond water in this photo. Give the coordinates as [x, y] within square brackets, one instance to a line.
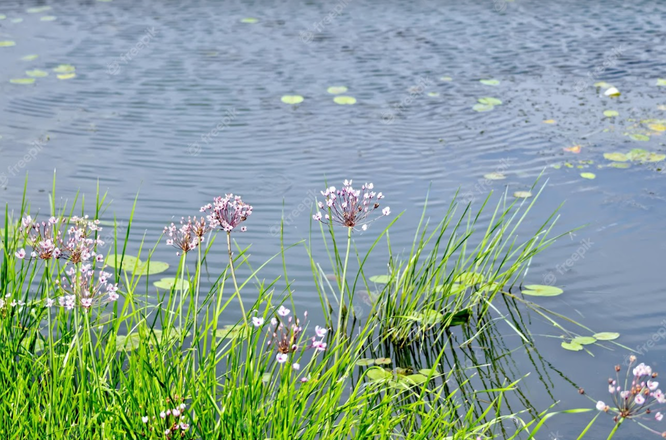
[181, 101]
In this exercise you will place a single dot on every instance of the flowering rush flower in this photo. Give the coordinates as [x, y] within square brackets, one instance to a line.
[86, 287]
[349, 207]
[638, 395]
[227, 213]
[188, 235]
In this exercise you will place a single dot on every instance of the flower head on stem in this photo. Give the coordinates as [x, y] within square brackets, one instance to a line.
[349, 207]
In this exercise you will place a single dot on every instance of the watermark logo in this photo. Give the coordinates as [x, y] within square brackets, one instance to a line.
[195, 148]
[114, 66]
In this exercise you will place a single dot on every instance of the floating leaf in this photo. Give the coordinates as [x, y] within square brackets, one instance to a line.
[483, 107]
[383, 361]
[549, 121]
[573, 346]
[657, 127]
[415, 379]
[661, 82]
[47, 18]
[611, 113]
[640, 137]
[640, 155]
[38, 9]
[37, 73]
[522, 194]
[365, 362]
[429, 317]
[542, 290]
[22, 80]
[606, 336]
[249, 20]
[232, 331]
[490, 101]
[612, 92]
[128, 262]
[429, 371]
[64, 68]
[128, 342]
[66, 75]
[446, 78]
[336, 90]
[29, 57]
[619, 165]
[266, 377]
[2, 16]
[433, 94]
[153, 268]
[494, 176]
[380, 279]
[489, 82]
[602, 84]
[168, 283]
[345, 100]
[292, 99]
[584, 340]
[588, 175]
[617, 157]
[377, 374]
[7, 43]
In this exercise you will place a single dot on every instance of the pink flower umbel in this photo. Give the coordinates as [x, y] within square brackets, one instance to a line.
[188, 235]
[227, 213]
[349, 207]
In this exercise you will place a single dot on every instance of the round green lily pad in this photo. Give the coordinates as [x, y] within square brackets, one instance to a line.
[584, 340]
[249, 20]
[66, 75]
[345, 100]
[489, 82]
[494, 176]
[482, 107]
[168, 283]
[377, 374]
[617, 157]
[64, 68]
[22, 80]
[7, 43]
[383, 361]
[365, 362]
[292, 99]
[588, 175]
[336, 90]
[572, 346]
[37, 73]
[611, 113]
[522, 194]
[489, 101]
[380, 279]
[542, 290]
[29, 57]
[606, 336]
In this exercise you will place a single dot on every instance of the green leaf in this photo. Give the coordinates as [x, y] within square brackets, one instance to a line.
[7, 43]
[37, 10]
[619, 165]
[128, 342]
[128, 263]
[429, 317]
[611, 113]
[292, 99]
[336, 90]
[414, 379]
[64, 68]
[494, 176]
[153, 268]
[490, 101]
[572, 346]
[168, 283]
[377, 374]
[602, 84]
[541, 290]
[47, 18]
[482, 107]
[661, 82]
[445, 78]
[380, 279]
[383, 361]
[588, 175]
[22, 80]
[37, 73]
[429, 372]
[365, 362]
[249, 20]
[232, 331]
[29, 57]
[640, 137]
[66, 76]
[489, 82]
[584, 340]
[617, 157]
[345, 100]
[606, 336]
[458, 318]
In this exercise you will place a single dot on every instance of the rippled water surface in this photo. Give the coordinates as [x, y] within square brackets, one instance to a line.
[180, 101]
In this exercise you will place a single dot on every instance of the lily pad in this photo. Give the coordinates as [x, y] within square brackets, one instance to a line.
[414, 379]
[611, 113]
[37, 10]
[640, 137]
[67, 75]
[490, 101]
[549, 121]
[584, 340]
[22, 80]
[522, 194]
[606, 336]
[661, 82]
[588, 175]
[433, 94]
[29, 57]
[377, 374]
[7, 43]
[657, 127]
[64, 68]
[602, 84]
[365, 362]
[336, 90]
[619, 165]
[292, 99]
[445, 78]
[48, 18]
[231, 331]
[482, 107]
[2, 16]
[490, 82]
[345, 100]
[429, 317]
[429, 371]
[37, 73]
[168, 283]
[249, 20]
[128, 342]
[616, 157]
[640, 155]
[383, 361]
[380, 279]
[542, 290]
[572, 346]
[494, 176]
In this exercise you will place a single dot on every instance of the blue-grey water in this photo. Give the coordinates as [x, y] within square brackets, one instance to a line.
[181, 101]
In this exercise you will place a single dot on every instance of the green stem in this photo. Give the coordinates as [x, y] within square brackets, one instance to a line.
[233, 276]
[196, 305]
[179, 275]
[343, 288]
